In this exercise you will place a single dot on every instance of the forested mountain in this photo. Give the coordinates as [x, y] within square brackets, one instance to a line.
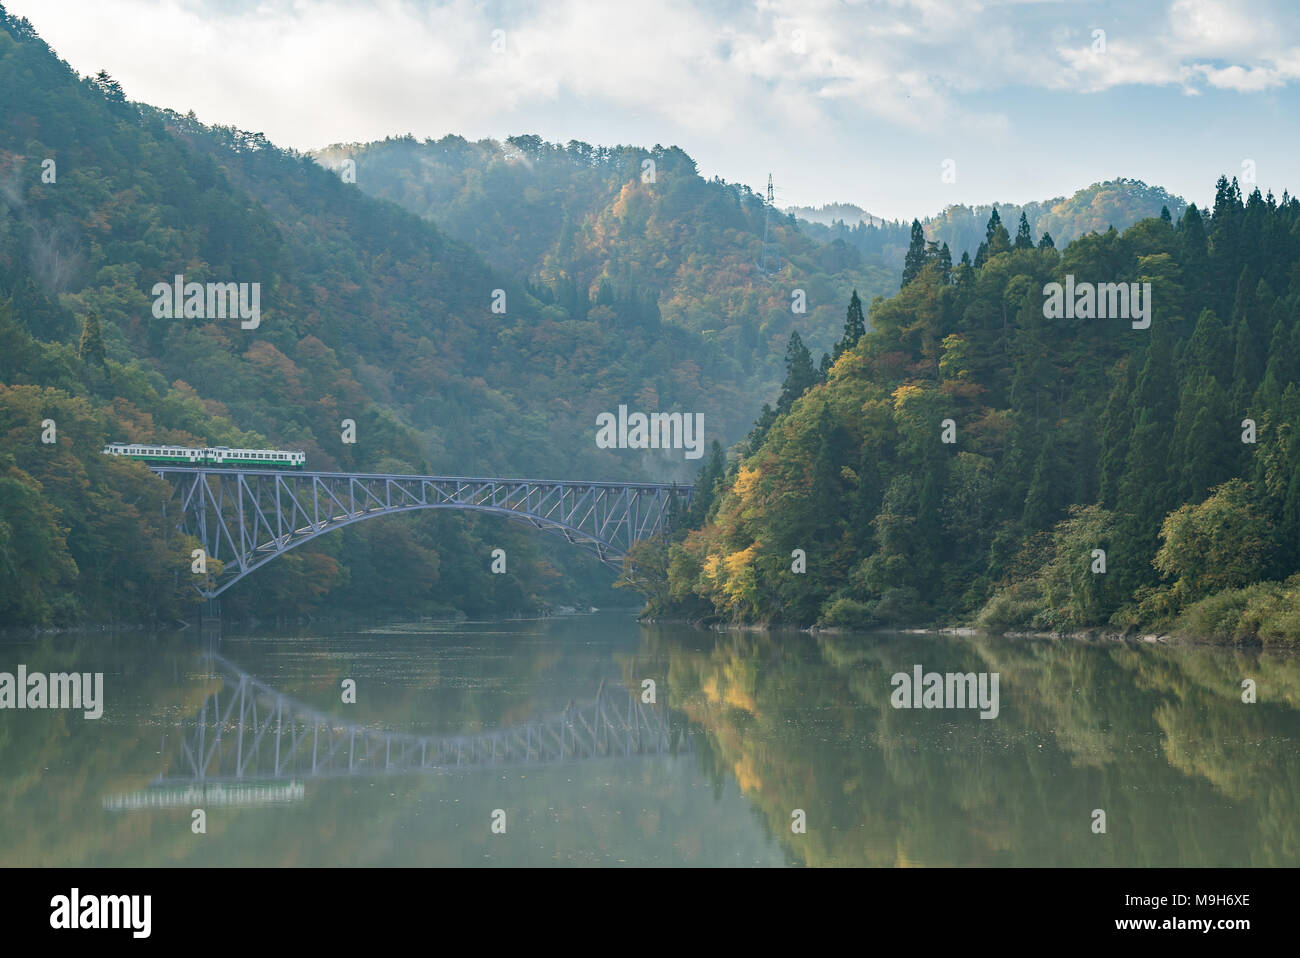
[367, 313]
[981, 456]
[510, 292]
[590, 226]
[831, 213]
[1119, 203]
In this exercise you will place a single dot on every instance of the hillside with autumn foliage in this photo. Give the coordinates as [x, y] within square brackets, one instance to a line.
[368, 313]
[968, 460]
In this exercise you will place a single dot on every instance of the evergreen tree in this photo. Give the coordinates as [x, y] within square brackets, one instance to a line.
[825, 488]
[965, 272]
[111, 89]
[706, 485]
[991, 227]
[1246, 365]
[1045, 241]
[1045, 501]
[1147, 491]
[91, 347]
[1204, 437]
[799, 373]
[855, 326]
[1225, 233]
[944, 261]
[1210, 349]
[1116, 427]
[866, 499]
[1195, 261]
[1023, 239]
[1000, 241]
[915, 259]
[761, 425]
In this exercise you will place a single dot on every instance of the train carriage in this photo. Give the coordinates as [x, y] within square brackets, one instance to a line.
[222, 457]
[168, 455]
[255, 458]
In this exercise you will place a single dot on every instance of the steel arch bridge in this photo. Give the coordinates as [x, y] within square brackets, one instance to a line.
[246, 517]
[251, 743]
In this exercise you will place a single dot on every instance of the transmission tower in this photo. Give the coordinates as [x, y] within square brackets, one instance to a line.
[771, 262]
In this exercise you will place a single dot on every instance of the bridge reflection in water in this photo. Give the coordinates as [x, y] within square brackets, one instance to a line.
[251, 744]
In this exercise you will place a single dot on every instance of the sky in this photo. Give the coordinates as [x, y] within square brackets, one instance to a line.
[900, 106]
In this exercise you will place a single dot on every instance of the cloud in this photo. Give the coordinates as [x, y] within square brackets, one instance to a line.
[728, 79]
[328, 69]
[1214, 27]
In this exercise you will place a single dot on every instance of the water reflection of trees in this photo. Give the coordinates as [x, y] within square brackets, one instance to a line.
[1156, 735]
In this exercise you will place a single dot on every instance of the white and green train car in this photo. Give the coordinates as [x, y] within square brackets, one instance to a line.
[168, 455]
[219, 456]
[257, 458]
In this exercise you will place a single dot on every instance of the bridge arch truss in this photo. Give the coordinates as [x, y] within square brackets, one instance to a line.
[246, 518]
[247, 731]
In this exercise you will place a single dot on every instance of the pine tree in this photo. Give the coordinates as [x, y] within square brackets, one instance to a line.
[825, 486]
[1147, 492]
[799, 373]
[1023, 239]
[945, 263]
[1046, 242]
[1210, 348]
[1288, 419]
[915, 259]
[855, 326]
[866, 499]
[706, 485]
[761, 425]
[992, 226]
[1116, 428]
[1000, 241]
[1044, 501]
[965, 272]
[1246, 368]
[1204, 437]
[111, 89]
[1195, 261]
[1225, 234]
[91, 348]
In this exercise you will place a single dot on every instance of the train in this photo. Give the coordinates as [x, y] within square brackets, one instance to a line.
[220, 456]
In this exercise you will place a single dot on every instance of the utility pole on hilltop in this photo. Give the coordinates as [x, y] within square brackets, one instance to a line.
[771, 252]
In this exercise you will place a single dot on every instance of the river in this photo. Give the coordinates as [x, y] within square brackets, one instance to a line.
[542, 743]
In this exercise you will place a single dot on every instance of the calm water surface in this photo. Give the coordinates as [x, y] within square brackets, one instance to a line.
[540, 728]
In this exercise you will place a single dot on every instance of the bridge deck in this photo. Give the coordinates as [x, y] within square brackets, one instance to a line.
[572, 483]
